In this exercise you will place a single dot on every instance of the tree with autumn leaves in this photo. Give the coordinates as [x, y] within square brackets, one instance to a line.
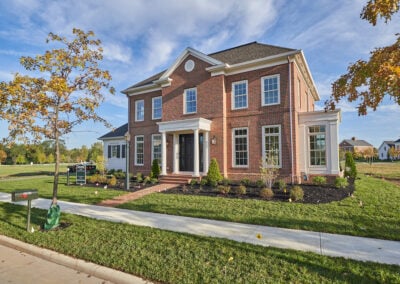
[370, 81]
[65, 90]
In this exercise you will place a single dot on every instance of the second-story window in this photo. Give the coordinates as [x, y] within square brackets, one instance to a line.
[270, 90]
[139, 110]
[190, 101]
[157, 107]
[239, 95]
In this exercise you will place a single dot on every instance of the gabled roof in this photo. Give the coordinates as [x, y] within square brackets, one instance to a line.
[397, 141]
[357, 142]
[116, 133]
[389, 143]
[236, 55]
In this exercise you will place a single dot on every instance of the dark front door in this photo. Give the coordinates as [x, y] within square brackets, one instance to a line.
[186, 152]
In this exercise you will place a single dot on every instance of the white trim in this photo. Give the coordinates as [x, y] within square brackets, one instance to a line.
[234, 146]
[136, 143]
[152, 108]
[185, 125]
[152, 147]
[309, 134]
[279, 141]
[262, 89]
[136, 110]
[233, 94]
[184, 101]
[134, 91]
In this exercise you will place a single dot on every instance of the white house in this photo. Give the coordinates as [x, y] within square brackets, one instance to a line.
[383, 150]
[114, 148]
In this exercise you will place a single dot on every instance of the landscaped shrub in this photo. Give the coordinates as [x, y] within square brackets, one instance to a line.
[203, 181]
[240, 190]
[92, 179]
[112, 181]
[139, 177]
[281, 184]
[146, 180]
[213, 174]
[341, 182]
[320, 180]
[266, 193]
[350, 169]
[155, 169]
[245, 182]
[260, 183]
[226, 181]
[224, 189]
[154, 180]
[296, 193]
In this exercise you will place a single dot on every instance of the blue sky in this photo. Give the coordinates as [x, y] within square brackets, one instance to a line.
[142, 37]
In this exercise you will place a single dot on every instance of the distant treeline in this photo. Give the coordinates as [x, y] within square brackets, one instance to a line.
[44, 153]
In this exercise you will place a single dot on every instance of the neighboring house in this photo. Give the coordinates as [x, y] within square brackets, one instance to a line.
[238, 106]
[355, 145]
[383, 150]
[114, 148]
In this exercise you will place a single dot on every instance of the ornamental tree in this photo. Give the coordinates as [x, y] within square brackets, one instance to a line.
[370, 81]
[66, 88]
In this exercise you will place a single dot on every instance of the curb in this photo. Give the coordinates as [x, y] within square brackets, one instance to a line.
[96, 270]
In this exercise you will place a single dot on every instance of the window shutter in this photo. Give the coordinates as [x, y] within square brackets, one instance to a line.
[118, 151]
[123, 151]
[109, 151]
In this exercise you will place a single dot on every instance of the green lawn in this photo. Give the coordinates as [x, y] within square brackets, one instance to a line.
[380, 169]
[378, 217]
[28, 170]
[72, 193]
[171, 257]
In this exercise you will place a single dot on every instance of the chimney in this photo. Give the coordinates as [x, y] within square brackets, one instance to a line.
[353, 138]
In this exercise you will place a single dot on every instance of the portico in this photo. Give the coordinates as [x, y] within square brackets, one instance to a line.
[190, 145]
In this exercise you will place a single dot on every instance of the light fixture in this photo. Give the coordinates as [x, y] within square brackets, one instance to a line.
[214, 140]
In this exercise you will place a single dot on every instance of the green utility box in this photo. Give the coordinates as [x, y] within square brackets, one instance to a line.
[24, 195]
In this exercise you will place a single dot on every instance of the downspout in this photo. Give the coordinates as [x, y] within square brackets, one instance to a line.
[291, 120]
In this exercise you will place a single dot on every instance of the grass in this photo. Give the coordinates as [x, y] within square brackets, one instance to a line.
[28, 170]
[380, 169]
[170, 257]
[72, 193]
[378, 217]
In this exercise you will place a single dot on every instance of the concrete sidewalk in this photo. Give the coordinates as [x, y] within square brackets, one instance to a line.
[358, 248]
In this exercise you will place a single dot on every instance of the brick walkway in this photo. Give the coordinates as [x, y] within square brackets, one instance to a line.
[135, 195]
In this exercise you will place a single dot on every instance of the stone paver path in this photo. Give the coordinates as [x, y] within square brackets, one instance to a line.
[135, 195]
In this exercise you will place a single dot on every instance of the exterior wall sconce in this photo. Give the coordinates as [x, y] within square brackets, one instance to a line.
[214, 140]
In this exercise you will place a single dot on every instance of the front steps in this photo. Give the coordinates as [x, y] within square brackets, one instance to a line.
[176, 179]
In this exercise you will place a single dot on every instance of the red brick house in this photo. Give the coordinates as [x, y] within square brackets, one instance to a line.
[238, 106]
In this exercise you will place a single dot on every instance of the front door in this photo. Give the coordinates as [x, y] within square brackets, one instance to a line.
[186, 152]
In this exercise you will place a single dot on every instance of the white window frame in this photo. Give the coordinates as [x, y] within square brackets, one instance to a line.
[152, 148]
[309, 134]
[234, 165]
[136, 150]
[234, 94]
[152, 108]
[279, 142]
[137, 118]
[185, 101]
[263, 92]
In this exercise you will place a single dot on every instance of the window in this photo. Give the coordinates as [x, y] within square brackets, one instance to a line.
[139, 110]
[157, 107]
[270, 90]
[113, 151]
[317, 145]
[123, 151]
[156, 147]
[190, 101]
[239, 95]
[272, 145]
[240, 147]
[139, 150]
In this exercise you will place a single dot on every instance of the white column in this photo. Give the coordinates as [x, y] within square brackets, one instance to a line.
[163, 153]
[206, 151]
[196, 172]
[176, 154]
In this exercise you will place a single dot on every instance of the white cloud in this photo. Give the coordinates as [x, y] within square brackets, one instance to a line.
[113, 51]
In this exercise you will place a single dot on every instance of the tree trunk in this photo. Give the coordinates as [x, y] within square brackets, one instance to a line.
[57, 169]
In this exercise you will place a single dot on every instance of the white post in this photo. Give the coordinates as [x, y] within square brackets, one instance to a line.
[176, 154]
[163, 153]
[196, 172]
[206, 152]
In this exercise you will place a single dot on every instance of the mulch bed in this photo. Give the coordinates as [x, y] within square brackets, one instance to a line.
[313, 194]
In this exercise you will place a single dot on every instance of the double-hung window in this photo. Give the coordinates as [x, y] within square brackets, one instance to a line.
[139, 110]
[190, 101]
[270, 90]
[239, 95]
[156, 147]
[317, 139]
[271, 136]
[240, 147]
[157, 107]
[139, 150]
[113, 151]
